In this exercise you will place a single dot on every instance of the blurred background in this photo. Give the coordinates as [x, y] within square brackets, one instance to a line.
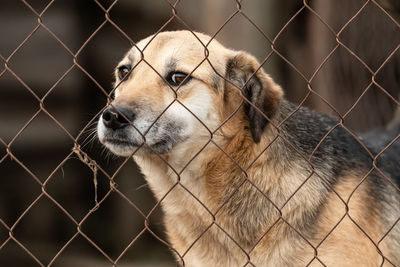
[45, 84]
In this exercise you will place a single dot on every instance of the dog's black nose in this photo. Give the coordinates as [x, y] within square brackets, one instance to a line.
[117, 117]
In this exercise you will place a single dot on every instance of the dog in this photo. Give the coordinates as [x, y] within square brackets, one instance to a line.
[244, 177]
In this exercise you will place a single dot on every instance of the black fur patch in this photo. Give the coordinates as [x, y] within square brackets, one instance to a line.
[254, 93]
[241, 74]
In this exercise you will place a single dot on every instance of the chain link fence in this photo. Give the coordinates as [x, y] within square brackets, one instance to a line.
[64, 201]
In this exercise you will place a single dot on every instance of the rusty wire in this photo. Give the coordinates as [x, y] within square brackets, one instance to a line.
[86, 159]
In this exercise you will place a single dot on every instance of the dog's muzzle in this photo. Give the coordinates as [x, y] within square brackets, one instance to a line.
[122, 131]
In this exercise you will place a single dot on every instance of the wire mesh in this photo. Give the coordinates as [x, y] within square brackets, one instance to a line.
[96, 169]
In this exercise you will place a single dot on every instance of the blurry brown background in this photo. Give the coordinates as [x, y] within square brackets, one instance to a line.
[41, 149]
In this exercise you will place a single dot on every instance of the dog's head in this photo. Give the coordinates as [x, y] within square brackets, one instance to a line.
[175, 89]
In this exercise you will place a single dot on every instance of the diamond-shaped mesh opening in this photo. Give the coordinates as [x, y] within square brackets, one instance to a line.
[42, 134]
[131, 185]
[21, 190]
[101, 220]
[13, 254]
[40, 224]
[105, 38]
[126, 10]
[16, 16]
[313, 191]
[327, 17]
[73, 35]
[31, 63]
[239, 25]
[219, 12]
[68, 192]
[66, 92]
[15, 100]
[367, 19]
[372, 97]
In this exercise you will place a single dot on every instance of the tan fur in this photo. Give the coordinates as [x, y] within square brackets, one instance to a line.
[223, 205]
[347, 239]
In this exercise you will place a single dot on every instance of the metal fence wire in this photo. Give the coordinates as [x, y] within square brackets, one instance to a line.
[11, 235]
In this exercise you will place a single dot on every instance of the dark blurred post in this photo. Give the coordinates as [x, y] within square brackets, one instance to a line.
[372, 36]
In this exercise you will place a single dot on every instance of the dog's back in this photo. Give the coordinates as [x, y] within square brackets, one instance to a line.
[385, 144]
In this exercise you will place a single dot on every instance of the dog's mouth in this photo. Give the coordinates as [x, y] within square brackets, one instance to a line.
[126, 147]
[120, 147]
[161, 138]
[120, 142]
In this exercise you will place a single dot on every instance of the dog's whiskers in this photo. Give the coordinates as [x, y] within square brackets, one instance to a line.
[90, 137]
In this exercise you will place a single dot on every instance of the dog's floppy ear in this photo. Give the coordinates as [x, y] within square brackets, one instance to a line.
[260, 90]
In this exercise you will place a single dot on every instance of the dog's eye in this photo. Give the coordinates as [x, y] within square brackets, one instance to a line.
[123, 71]
[177, 78]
